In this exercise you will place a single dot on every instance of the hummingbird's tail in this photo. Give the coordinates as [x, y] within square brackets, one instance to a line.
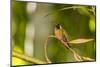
[66, 41]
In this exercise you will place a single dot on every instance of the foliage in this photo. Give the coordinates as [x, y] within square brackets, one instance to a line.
[77, 20]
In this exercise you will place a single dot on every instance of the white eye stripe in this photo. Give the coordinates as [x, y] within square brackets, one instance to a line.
[60, 26]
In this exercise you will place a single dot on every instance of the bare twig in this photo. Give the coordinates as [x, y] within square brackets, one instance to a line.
[88, 59]
[45, 48]
[72, 7]
[76, 55]
[65, 8]
[27, 58]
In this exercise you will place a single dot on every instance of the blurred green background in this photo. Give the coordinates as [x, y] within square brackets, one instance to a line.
[33, 22]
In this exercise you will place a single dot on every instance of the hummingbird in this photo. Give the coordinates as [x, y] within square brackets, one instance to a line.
[60, 34]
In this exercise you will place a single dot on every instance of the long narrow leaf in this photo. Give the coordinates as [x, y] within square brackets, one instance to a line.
[79, 41]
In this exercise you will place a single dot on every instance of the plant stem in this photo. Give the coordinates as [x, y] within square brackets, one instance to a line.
[45, 49]
[65, 8]
[27, 58]
[76, 55]
[72, 7]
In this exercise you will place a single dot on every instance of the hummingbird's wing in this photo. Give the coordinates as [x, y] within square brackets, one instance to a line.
[66, 35]
[65, 38]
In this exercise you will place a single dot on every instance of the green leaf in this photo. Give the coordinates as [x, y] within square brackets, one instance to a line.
[92, 24]
[79, 41]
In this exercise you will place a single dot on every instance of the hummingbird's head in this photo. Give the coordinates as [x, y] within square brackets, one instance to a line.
[58, 26]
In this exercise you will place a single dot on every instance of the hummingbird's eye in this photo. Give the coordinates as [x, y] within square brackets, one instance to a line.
[58, 26]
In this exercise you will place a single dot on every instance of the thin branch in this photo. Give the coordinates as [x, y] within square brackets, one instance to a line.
[66, 8]
[45, 48]
[72, 7]
[27, 58]
[88, 59]
[76, 55]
